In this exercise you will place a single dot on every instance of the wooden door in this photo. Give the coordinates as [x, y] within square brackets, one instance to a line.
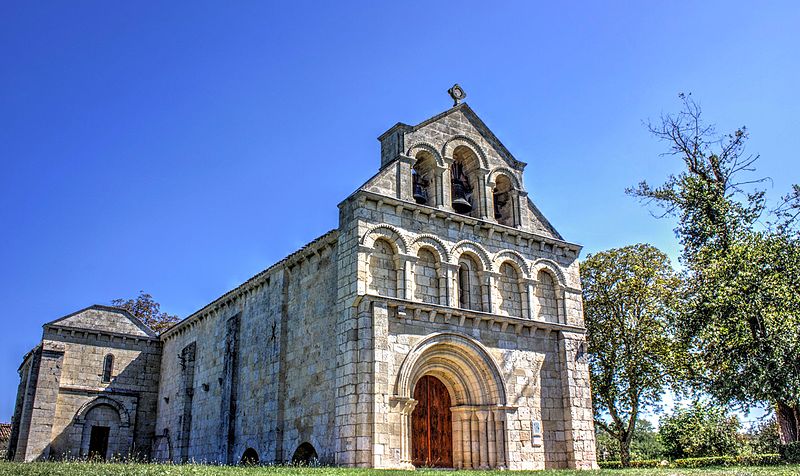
[431, 425]
[98, 442]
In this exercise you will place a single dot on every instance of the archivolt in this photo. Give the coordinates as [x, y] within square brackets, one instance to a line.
[463, 364]
[124, 418]
[508, 173]
[419, 146]
[459, 140]
[430, 241]
[387, 232]
[551, 266]
[473, 247]
[514, 257]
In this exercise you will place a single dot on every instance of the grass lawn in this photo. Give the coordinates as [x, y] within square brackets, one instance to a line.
[94, 469]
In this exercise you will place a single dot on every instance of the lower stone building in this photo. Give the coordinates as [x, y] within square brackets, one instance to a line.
[439, 325]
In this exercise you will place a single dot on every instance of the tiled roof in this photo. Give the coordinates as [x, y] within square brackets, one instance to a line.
[5, 431]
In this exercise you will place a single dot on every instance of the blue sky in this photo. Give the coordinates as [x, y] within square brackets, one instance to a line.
[181, 147]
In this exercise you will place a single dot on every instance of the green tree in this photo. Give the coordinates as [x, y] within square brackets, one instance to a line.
[742, 279]
[700, 430]
[763, 437]
[629, 297]
[645, 444]
[148, 311]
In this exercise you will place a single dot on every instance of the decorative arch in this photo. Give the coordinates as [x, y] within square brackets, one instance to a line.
[492, 178]
[388, 233]
[552, 267]
[432, 242]
[474, 248]
[460, 140]
[463, 365]
[516, 259]
[124, 417]
[425, 146]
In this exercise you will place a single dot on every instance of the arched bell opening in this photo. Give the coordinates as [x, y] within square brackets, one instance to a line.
[465, 182]
[423, 178]
[504, 200]
[450, 369]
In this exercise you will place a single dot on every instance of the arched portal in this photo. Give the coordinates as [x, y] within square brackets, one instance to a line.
[431, 425]
[477, 397]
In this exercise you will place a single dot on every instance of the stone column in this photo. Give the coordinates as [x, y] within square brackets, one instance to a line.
[442, 177]
[490, 186]
[406, 408]
[522, 209]
[530, 286]
[486, 192]
[447, 194]
[483, 439]
[490, 293]
[405, 277]
[500, 437]
[404, 187]
[451, 284]
[492, 437]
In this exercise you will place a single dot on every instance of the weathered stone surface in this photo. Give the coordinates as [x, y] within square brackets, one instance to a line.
[325, 347]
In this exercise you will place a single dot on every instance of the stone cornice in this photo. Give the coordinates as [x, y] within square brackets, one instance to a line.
[81, 332]
[413, 310]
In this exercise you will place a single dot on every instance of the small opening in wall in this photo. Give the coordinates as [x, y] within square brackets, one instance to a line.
[305, 455]
[108, 368]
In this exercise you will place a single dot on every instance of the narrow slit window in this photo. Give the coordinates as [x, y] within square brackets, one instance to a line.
[108, 367]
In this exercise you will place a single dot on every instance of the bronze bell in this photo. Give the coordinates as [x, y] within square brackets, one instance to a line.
[420, 195]
[461, 196]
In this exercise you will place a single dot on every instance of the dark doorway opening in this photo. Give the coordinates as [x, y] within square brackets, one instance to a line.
[431, 425]
[249, 457]
[305, 455]
[98, 442]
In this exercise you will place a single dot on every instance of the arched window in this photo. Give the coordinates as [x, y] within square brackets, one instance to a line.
[469, 286]
[426, 277]
[108, 368]
[424, 179]
[510, 294]
[504, 209]
[546, 297]
[382, 270]
[464, 182]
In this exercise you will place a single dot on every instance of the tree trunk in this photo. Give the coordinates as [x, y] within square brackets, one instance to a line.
[625, 452]
[788, 416]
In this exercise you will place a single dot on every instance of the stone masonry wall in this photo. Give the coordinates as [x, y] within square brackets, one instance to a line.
[284, 393]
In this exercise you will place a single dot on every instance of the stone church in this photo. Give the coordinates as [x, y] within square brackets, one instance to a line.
[439, 325]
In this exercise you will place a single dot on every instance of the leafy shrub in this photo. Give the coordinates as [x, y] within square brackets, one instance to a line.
[701, 430]
[688, 463]
[791, 452]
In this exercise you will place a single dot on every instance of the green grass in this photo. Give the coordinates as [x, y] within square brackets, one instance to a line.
[96, 469]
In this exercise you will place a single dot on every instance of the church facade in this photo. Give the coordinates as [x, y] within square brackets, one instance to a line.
[440, 324]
